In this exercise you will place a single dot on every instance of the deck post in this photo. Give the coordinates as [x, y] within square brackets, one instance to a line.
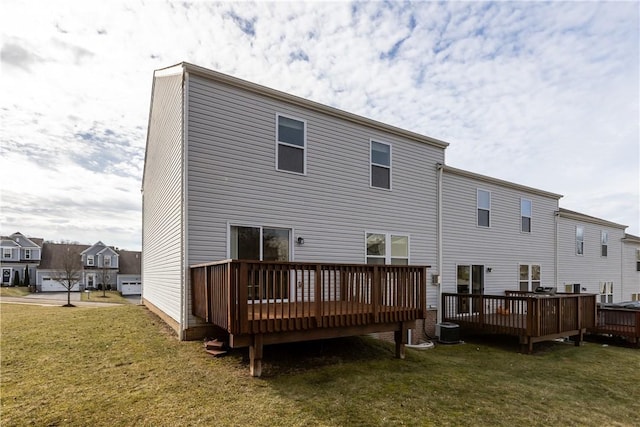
[401, 339]
[255, 355]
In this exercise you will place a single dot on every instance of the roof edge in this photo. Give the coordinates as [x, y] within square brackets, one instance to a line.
[501, 182]
[566, 213]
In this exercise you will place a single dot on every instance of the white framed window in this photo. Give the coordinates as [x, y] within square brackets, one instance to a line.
[90, 260]
[6, 252]
[604, 243]
[637, 259]
[387, 248]
[291, 145]
[107, 261]
[484, 208]
[380, 161]
[579, 240]
[529, 277]
[606, 292]
[525, 215]
[27, 254]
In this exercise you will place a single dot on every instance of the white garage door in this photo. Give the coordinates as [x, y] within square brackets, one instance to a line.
[50, 285]
[131, 288]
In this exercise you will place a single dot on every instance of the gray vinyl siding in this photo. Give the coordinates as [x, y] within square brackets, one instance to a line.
[232, 180]
[162, 199]
[502, 246]
[630, 274]
[591, 268]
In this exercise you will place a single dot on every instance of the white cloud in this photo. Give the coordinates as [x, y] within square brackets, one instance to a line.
[543, 94]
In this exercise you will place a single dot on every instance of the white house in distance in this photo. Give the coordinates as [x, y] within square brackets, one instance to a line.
[235, 170]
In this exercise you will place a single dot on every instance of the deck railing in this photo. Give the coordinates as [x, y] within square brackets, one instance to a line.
[519, 313]
[618, 321]
[254, 297]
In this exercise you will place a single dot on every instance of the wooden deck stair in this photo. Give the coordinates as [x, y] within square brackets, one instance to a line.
[215, 347]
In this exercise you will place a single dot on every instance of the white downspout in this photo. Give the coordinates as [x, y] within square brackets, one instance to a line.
[440, 168]
[184, 261]
[555, 257]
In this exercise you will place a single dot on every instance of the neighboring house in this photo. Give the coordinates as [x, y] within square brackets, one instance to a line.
[99, 265]
[590, 256]
[19, 253]
[237, 170]
[129, 274]
[497, 235]
[53, 255]
[630, 268]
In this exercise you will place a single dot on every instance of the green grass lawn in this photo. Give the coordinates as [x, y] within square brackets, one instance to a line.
[120, 365]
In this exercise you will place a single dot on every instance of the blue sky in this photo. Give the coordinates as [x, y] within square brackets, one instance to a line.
[541, 94]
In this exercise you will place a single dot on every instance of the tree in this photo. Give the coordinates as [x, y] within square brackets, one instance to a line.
[16, 278]
[26, 280]
[104, 278]
[69, 272]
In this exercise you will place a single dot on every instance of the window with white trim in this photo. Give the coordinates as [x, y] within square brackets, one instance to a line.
[107, 261]
[637, 259]
[27, 254]
[380, 159]
[604, 243]
[90, 260]
[291, 144]
[579, 240]
[606, 292]
[387, 248]
[484, 208]
[529, 277]
[6, 252]
[525, 215]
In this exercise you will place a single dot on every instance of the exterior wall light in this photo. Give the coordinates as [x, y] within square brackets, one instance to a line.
[300, 241]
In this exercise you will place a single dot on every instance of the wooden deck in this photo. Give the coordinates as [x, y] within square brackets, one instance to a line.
[531, 317]
[621, 322]
[259, 303]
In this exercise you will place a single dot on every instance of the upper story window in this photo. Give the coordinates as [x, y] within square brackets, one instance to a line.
[90, 260]
[107, 261]
[484, 208]
[387, 248]
[6, 252]
[291, 144]
[525, 215]
[604, 243]
[380, 158]
[579, 240]
[27, 254]
[637, 259]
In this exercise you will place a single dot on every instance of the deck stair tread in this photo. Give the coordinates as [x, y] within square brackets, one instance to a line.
[215, 347]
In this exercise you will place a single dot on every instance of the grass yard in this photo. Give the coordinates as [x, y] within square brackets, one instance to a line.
[109, 296]
[120, 365]
[18, 291]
